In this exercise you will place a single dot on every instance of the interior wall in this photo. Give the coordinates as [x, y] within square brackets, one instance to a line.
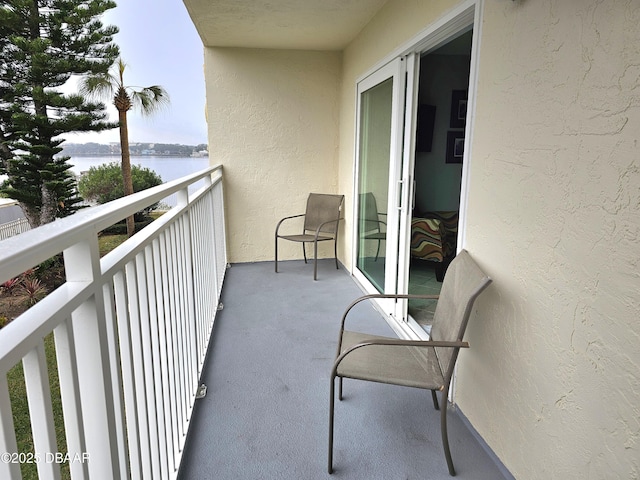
[438, 182]
[272, 122]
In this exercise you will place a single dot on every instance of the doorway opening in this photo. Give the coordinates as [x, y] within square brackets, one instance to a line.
[442, 100]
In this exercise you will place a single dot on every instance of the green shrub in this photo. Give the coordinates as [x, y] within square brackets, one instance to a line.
[103, 183]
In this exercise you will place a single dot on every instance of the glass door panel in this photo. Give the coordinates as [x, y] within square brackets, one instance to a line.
[381, 98]
[373, 182]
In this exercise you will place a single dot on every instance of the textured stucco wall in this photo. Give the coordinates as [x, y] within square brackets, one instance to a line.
[272, 119]
[552, 380]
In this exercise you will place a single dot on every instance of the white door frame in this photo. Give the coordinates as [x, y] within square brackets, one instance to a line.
[395, 69]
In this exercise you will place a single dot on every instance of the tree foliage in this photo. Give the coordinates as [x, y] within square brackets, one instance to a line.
[148, 100]
[42, 44]
[104, 183]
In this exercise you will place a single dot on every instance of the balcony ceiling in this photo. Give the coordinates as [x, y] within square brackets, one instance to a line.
[281, 24]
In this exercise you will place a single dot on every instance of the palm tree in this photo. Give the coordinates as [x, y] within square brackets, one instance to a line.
[147, 100]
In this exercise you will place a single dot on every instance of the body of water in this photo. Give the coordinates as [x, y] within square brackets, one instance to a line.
[169, 168]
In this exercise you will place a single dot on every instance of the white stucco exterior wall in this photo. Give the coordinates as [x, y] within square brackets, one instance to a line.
[552, 380]
[272, 121]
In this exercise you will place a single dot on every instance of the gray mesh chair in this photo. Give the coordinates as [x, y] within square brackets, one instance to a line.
[321, 221]
[426, 364]
[372, 227]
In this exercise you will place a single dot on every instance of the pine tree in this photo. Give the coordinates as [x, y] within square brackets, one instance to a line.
[43, 43]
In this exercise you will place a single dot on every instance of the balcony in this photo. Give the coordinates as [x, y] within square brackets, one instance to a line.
[134, 342]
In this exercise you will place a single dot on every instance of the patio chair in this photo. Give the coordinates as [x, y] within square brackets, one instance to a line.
[372, 227]
[321, 221]
[426, 364]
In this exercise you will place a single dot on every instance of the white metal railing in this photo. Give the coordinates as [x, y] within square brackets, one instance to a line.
[14, 227]
[130, 331]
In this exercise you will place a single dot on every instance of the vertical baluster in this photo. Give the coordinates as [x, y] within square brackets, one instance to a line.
[82, 264]
[127, 367]
[188, 257]
[138, 368]
[169, 318]
[115, 362]
[36, 376]
[70, 397]
[157, 388]
[176, 330]
[147, 361]
[8, 445]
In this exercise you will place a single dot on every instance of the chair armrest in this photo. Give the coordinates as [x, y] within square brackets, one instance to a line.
[382, 295]
[318, 230]
[398, 343]
[287, 218]
[411, 343]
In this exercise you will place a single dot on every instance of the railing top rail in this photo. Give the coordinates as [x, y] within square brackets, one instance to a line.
[22, 252]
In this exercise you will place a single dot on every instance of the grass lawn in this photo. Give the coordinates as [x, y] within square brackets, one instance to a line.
[109, 242]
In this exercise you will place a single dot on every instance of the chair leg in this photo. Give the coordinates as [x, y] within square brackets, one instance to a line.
[435, 400]
[276, 255]
[439, 271]
[304, 252]
[331, 415]
[335, 252]
[315, 260]
[445, 436]
[340, 388]
[377, 251]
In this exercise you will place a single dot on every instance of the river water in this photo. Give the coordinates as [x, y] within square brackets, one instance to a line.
[169, 168]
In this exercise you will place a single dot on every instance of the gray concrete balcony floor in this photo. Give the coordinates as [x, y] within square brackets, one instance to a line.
[265, 415]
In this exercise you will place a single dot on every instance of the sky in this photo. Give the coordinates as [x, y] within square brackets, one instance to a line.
[160, 46]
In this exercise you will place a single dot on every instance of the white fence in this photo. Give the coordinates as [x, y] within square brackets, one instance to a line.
[130, 332]
[9, 229]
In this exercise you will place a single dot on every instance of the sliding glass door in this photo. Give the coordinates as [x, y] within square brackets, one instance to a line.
[383, 186]
[373, 182]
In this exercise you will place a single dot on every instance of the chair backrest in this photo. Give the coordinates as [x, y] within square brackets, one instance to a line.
[462, 284]
[369, 219]
[323, 208]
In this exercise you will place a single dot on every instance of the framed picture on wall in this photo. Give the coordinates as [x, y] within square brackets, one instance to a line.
[455, 147]
[458, 108]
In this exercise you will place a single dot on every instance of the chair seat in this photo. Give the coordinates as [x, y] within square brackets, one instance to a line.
[376, 236]
[398, 365]
[305, 238]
